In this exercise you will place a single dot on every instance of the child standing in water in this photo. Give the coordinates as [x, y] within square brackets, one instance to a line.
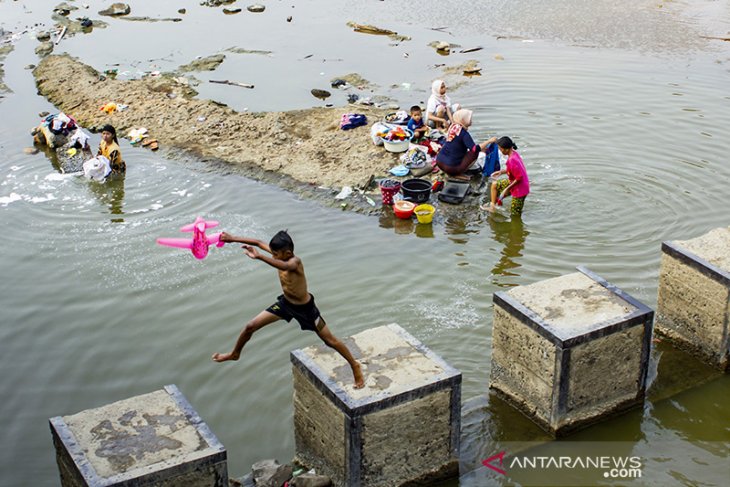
[296, 302]
[109, 148]
[518, 184]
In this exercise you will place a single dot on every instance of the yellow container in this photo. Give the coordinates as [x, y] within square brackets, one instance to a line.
[424, 213]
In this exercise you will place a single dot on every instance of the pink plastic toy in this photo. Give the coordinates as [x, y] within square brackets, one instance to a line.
[200, 242]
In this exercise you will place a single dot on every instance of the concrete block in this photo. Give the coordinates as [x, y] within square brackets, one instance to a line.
[570, 351]
[155, 439]
[402, 427]
[693, 307]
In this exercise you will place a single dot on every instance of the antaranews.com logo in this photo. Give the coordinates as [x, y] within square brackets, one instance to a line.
[613, 467]
[565, 463]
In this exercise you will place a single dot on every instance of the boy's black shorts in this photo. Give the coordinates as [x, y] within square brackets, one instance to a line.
[306, 314]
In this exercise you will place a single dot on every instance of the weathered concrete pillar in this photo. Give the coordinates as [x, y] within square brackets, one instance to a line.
[403, 426]
[153, 439]
[570, 351]
[693, 308]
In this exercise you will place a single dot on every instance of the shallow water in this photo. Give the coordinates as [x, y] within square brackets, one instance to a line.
[620, 111]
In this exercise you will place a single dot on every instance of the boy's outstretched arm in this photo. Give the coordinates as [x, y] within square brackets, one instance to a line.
[283, 265]
[228, 238]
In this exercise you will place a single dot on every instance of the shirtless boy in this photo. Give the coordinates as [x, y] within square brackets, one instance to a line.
[296, 302]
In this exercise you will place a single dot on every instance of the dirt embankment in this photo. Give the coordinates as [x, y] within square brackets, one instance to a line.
[306, 145]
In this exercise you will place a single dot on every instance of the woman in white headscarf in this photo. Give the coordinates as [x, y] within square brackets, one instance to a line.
[460, 151]
[439, 109]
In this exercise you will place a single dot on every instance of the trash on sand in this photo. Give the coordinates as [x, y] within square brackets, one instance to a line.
[399, 170]
[136, 135]
[109, 107]
[346, 191]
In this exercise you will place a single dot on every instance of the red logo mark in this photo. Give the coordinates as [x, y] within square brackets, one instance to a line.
[499, 456]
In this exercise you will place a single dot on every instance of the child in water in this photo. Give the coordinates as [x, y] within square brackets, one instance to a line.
[109, 148]
[517, 185]
[295, 302]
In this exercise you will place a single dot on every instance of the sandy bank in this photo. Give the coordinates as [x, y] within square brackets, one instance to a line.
[306, 145]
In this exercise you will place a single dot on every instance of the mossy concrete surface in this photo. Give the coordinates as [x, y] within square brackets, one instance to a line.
[152, 439]
[693, 306]
[403, 426]
[570, 351]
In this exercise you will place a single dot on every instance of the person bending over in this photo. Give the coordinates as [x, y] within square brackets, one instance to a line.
[460, 151]
[517, 185]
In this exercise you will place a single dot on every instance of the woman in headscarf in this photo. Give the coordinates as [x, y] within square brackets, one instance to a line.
[109, 148]
[439, 110]
[460, 151]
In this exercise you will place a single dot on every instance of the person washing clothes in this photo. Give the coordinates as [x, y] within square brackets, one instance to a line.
[439, 110]
[517, 185]
[109, 148]
[460, 151]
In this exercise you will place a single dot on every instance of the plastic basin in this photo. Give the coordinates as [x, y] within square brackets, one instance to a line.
[424, 213]
[403, 209]
[416, 190]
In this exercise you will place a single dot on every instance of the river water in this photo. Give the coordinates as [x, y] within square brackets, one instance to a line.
[620, 109]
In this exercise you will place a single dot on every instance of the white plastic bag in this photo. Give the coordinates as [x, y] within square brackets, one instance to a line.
[377, 128]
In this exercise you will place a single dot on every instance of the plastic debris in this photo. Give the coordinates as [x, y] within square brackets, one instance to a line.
[399, 170]
[346, 191]
[136, 135]
[109, 107]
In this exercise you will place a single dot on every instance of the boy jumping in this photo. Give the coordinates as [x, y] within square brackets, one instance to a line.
[296, 302]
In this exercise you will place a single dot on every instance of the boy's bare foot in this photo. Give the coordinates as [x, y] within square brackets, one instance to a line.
[488, 207]
[359, 378]
[223, 357]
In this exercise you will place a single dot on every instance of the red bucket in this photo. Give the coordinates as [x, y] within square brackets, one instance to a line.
[389, 188]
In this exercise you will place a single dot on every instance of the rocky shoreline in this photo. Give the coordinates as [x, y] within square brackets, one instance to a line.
[302, 150]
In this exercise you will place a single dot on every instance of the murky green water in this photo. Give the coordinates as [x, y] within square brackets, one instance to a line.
[621, 112]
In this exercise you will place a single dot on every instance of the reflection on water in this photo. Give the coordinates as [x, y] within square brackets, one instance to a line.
[512, 235]
[404, 226]
[110, 193]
